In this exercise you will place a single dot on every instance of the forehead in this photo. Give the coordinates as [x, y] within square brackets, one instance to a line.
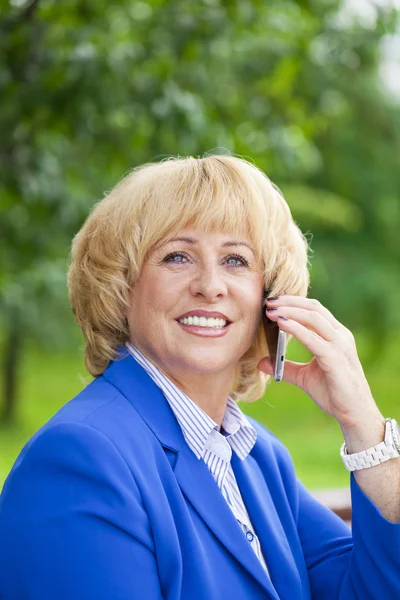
[194, 237]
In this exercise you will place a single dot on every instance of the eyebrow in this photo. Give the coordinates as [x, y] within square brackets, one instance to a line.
[193, 242]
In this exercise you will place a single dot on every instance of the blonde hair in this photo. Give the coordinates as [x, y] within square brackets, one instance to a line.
[157, 200]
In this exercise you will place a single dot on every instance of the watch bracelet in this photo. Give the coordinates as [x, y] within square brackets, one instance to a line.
[372, 456]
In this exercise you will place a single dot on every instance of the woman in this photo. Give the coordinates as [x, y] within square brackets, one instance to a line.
[152, 483]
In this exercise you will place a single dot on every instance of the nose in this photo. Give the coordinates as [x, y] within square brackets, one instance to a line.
[208, 283]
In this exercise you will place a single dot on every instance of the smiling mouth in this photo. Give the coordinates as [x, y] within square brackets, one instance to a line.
[206, 332]
[204, 327]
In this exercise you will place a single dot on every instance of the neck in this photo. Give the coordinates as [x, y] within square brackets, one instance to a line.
[204, 392]
[209, 391]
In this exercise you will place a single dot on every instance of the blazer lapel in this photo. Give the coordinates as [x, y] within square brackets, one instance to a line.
[200, 489]
[193, 476]
[263, 514]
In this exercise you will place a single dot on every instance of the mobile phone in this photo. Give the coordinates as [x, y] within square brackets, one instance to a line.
[276, 340]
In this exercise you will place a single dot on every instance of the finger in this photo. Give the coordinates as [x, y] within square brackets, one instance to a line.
[311, 319]
[310, 339]
[291, 371]
[265, 365]
[307, 304]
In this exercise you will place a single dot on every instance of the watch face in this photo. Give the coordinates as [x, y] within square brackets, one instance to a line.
[396, 435]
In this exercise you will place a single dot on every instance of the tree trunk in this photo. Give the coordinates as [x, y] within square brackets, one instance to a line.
[11, 362]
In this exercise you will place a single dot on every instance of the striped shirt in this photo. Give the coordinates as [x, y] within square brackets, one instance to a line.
[215, 448]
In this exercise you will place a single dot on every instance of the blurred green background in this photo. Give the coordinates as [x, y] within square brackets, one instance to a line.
[308, 90]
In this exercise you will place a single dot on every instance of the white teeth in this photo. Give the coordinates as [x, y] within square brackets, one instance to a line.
[203, 322]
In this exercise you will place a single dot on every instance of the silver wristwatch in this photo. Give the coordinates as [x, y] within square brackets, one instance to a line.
[389, 448]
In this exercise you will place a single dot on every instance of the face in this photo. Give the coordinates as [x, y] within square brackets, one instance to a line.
[203, 273]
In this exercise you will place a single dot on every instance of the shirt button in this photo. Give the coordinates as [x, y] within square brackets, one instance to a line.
[250, 536]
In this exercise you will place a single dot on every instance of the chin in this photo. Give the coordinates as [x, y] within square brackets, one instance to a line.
[211, 362]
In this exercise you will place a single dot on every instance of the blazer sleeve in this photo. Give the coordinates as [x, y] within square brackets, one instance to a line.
[364, 566]
[72, 523]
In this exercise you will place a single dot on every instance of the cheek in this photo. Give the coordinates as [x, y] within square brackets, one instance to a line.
[254, 313]
[157, 294]
[251, 297]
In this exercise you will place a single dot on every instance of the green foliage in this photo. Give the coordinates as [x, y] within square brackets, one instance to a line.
[91, 89]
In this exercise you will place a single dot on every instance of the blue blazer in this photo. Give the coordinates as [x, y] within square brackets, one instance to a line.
[108, 502]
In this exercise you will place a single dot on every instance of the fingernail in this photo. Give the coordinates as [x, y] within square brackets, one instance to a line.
[283, 318]
[272, 299]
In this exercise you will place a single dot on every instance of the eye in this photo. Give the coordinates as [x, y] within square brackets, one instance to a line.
[238, 257]
[174, 255]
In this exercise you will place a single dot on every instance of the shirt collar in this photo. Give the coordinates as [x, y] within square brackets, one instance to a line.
[195, 423]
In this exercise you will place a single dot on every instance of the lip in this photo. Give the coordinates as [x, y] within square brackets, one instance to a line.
[205, 313]
[206, 331]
